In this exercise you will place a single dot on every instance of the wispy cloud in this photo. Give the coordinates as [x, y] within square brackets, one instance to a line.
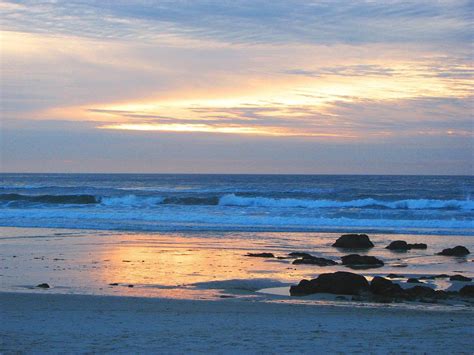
[249, 21]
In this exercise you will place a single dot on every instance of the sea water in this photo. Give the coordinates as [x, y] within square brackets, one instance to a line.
[182, 202]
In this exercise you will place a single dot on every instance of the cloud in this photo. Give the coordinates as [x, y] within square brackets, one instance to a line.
[249, 21]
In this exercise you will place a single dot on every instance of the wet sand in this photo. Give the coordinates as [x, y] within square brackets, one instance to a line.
[197, 265]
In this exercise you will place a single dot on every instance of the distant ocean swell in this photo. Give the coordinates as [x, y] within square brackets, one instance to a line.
[135, 201]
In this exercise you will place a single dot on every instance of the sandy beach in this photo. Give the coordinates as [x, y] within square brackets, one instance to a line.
[92, 324]
[184, 292]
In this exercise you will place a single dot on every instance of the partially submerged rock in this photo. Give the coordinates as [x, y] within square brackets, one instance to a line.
[401, 245]
[353, 241]
[340, 283]
[456, 251]
[43, 285]
[312, 260]
[356, 261]
[261, 255]
[460, 278]
[418, 246]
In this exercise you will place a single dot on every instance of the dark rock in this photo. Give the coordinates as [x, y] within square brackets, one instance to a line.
[312, 260]
[456, 251]
[114, 284]
[414, 280]
[395, 276]
[341, 283]
[441, 295]
[418, 246]
[130, 286]
[44, 285]
[382, 287]
[353, 241]
[420, 292]
[298, 254]
[401, 245]
[460, 278]
[261, 255]
[305, 287]
[398, 245]
[356, 261]
[467, 290]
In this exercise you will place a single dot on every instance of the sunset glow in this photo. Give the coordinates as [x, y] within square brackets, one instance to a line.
[111, 71]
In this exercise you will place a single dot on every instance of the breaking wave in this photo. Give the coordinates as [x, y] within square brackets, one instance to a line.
[138, 201]
[234, 200]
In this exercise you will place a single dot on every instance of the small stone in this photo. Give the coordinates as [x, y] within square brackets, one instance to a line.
[261, 255]
[312, 260]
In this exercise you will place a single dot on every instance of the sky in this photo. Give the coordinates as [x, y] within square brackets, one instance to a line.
[217, 86]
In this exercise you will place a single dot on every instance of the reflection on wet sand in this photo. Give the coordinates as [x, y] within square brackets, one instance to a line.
[171, 264]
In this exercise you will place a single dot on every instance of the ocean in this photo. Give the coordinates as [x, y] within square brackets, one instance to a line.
[440, 205]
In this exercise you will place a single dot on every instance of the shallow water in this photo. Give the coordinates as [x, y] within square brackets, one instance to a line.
[198, 265]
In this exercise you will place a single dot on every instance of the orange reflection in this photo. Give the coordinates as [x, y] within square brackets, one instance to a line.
[169, 267]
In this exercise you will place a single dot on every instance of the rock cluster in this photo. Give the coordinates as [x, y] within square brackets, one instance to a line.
[380, 288]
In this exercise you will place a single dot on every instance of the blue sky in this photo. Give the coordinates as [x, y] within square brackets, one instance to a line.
[237, 86]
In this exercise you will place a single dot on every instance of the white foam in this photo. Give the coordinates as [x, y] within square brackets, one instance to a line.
[234, 200]
[131, 200]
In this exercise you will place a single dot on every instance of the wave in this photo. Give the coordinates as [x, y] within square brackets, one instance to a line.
[131, 201]
[146, 201]
[51, 199]
[234, 200]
